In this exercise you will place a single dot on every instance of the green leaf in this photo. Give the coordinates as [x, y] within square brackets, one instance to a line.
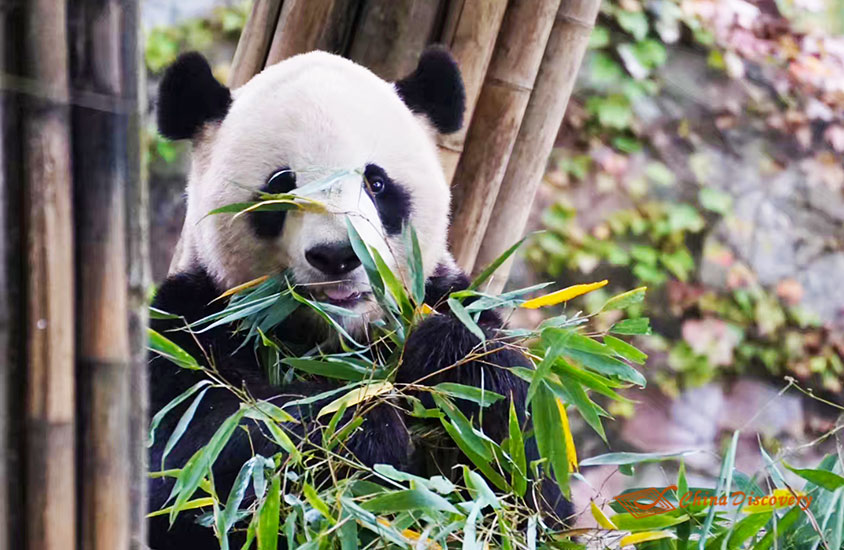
[482, 397]
[492, 267]
[574, 394]
[436, 483]
[632, 458]
[463, 316]
[200, 464]
[517, 453]
[317, 503]
[181, 426]
[268, 517]
[625, 350]
[417, 272]
[476, 484]
[634, 22]
[409, 500]
[548, 432]
[641, 325]
[821, 478]
[330, 368]
[746, 528]
[362, 252]
[625, 299]
[237, 492]
[169, 350]
[607, 365]
[394, 285]
[178, 400]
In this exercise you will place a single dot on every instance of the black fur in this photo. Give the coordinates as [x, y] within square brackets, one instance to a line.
[393, 201]
[189, 96]
[384, 438]
[436, 90]
[268, 224]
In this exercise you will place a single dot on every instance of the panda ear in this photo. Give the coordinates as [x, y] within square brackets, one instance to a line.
[435, 89]
[189, 96]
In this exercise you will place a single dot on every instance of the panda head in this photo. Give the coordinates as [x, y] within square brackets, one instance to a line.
[366, 145]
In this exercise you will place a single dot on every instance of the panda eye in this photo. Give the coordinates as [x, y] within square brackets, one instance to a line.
[376, 184]
[374, 179]
[282, 180]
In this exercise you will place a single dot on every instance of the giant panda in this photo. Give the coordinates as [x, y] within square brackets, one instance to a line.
[291, 124]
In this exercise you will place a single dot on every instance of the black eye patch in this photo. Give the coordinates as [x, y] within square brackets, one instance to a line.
[268, 224]
[391, 200]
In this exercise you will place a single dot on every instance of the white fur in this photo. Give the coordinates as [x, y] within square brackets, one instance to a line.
[318, 114]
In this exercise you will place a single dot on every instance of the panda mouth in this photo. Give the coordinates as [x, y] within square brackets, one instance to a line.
[339, 295]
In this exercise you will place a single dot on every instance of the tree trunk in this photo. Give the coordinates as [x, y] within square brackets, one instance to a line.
[496, 121]
[50, 396]
[542, 120]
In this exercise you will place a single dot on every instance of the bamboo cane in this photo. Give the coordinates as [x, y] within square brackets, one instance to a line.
[391, 35]
[305, 25]
[254, 41]
[496, 121]
[100, 143]
[470, 30]
[544, 114]
[50, 455]
[138, 272]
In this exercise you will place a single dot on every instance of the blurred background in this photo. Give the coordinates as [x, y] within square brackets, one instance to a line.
[700, 156]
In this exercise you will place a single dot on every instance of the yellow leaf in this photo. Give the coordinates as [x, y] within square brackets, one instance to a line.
[238, 288]
[563, 295]
[601, 517]
[189, 505]
[645, 536]
[425, 310]
[571, 452]
[356, 396]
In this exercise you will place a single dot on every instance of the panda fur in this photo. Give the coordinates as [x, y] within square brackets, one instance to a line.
[294, 123]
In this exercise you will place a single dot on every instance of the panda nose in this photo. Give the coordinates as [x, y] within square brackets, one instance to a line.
[333, 258]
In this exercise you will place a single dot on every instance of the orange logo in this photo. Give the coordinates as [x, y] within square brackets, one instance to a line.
[646, 502]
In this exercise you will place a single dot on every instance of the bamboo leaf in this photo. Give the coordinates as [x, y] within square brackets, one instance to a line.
[641, 325]
[563, 295]
[625, 299]
[496, 263]
[358, 395]
[601, 517]
[463, 316]
[822, 478]
[237, 492]
[409, 500]
[548, 432]
[268, 517]
[625, 350]
[178, 400]
[169, 350]
[318, 504]
[481, 396]
[517, 453]
[181, 426]
[417, 272]
[645, 536]
[571, 452]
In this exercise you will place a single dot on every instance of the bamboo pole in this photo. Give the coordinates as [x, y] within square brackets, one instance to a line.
[254, 41]
[100, 143]
[10, 307]
[496, 121]
[138, 271]
[391, 35]
[50, 440]
[470, 30]
[543, 117]
[305, 25]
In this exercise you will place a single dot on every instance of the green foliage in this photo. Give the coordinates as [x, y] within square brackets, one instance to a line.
[305, 502]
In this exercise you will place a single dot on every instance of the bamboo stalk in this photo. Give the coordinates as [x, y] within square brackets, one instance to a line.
[496, 121]
[542, 120]
[10, 308]
[470, 30]
[100, 143]
[138, 271]
[50, 440]
[305, 25]
[391, 35]
[255, 40]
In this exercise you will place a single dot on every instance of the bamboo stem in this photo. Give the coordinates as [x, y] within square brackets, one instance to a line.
[391, 35]
[255, 40]
[138, 272]
[542, 120]
[50, 394]
[100, 143]
[305, 25]
[496, 121]
[470, 31]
